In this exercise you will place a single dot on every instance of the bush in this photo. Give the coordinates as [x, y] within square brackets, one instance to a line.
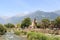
[56, 38]
[31, 35]
[2, 29]
[40, 36]
[17, 32]
[23, 32]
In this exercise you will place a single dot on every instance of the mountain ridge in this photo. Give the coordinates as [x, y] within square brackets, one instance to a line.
[37, 14]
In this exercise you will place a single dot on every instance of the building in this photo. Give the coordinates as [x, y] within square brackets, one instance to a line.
[34, 23]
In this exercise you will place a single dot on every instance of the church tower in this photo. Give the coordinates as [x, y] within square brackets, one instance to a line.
[34, 23]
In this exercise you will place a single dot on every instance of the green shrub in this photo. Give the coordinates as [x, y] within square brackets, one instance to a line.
[17, 32]
[2, 29]
[56, 38]
[40, 36]
[32, 36]
[23, 32]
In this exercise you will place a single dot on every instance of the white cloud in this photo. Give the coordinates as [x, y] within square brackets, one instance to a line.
[26, 12]
[22, 14]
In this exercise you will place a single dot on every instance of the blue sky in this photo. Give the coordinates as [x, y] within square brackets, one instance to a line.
[16, 7]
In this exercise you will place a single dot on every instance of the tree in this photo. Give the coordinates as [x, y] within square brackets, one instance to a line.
[26, 22]
[45, 23]
[9, 25]
[2, 29]
[52, 24]
[18, 25]
[57, 22]
[39, 26]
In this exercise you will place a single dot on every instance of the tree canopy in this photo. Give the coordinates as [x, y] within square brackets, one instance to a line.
[57, 22]
[26, 22]
[9, 25]
[45, 22]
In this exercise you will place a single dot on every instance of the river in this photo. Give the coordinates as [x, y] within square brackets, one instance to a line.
[12, 36]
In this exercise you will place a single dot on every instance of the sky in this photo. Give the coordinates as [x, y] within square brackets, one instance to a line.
[9, 8]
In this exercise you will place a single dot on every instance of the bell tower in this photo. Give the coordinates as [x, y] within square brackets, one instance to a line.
[34, 23]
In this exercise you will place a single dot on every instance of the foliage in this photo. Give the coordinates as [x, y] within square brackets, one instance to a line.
[57, 22]
[40, 36]
[17, 32]
[36, 36]
[39, 26]
[2, 29]
[9, 25]
[18, 25]
[23, 32]
[45, 23]
[52, 24]
[26, 22]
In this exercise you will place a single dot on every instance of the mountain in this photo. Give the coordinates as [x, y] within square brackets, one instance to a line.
[37, 14]
[40, 15]
[2, 21]
[58, 12]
